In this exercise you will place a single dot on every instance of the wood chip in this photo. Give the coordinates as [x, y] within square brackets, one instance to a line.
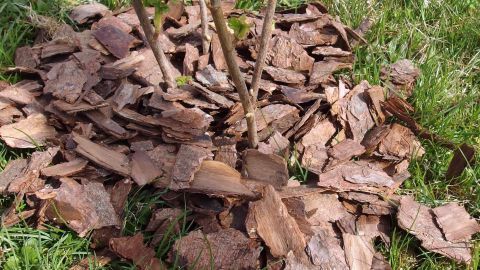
[189, 160]
[115, 40]
[271, 221]
[13, 170]
[456, 224]
[148, 72]
[401, 75]
[114, 21]
[213, 97]
[220, 250]
[320, 134]
[122, 67]
[133, 248]
[26, 57]
[190, 62]
[65, 169]
[144, 170]
[322, 70]
[30, 132]
[288, 54]
[285, 75]
[217, 178]
[419, 220]
[359, 251]
[82, 206]
[299, 96]
[344, 151]
[217, 53]
[65, 81]
[81, 14]
[265, 168]
[277, 144]
[463, 157]
[227, 154]
[325, 251]
[102, 156]
[400, 143]
[119, 194]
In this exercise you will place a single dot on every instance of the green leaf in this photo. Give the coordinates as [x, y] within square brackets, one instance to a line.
[240, 26]
[12, 263]
[183, 80]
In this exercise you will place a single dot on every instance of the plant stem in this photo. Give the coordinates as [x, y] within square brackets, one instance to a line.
[229, 54]
[264, 42]
[154, 44]
[204, 20]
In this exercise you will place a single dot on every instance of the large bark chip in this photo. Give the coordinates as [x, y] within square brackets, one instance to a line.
[115, 40]
[225, 249]
[31, 132]
[133, 248]
[456, 224]
[275, 226]
[266, 168]
[66, 81]
[189, 159]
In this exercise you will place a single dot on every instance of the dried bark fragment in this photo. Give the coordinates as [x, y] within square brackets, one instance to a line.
[285, 75]
[30, 132]
[264, 117]
[144, 170]
[57, 47]
[266, 168]
[227, 154]
[11, 218]
[314, 33]
[122, 67]
[65, 169]
[299, 96]
[331, 51]
[10, 115]
[218, 58]
[380, 263]
[344, 151]
[357, 176]
[77, 107]
[275, 226]
[102, 156]
[456, 224]
[108, 125]
[462, 157]
[400, 143]
[189, 160]
[82, 207]
[320, 134]
[219, 179]
[133, 248]
[359, 251]
[30, 181]
[315, 158]
[322, 70]
[220, 250]
[402, 74]
[13, 170]
[315, 106]
[276, 144]
[190, 61]
[148, 72]
[115, 40]
[114, 21]
[81, 14]
[419, 220]
[164, 156]
[286, 53]
[65, 81]
[19, 93]
[26, 57]
[119, 194]
[376, 96]
[325, 251]
[210, 77]
[183, 31]
[358, 115]
[213, 97]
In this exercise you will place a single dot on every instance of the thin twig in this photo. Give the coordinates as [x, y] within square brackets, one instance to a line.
[238, 80]
[204, 19]
[264, 42]
[154, 44]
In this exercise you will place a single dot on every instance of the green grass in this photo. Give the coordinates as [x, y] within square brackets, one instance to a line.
[442, 38]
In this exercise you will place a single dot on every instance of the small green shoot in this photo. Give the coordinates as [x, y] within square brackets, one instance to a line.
[240, 26]
[183, 80]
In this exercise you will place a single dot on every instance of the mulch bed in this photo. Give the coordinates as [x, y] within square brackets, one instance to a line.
[94, 105]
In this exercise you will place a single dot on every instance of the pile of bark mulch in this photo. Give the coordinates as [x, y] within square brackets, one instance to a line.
[93, 104]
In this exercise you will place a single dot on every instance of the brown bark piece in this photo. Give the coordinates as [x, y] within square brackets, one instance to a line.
[359, 251]
[108, 125]
[267, 115]
[81, 14]
[314, 33]
[218, 58]
[164, 156]
[456, 224]
[114, 21]
[380, 263]
[213, 97]
[133, 248]
[344, 151]
[402, 74]
[276, 144]
[122, 67]
[57, 47]
[115, 40]
[275, 226]
[462, 157]
[227, 154]
[126, 94]
[419, 220]
[9, 115]
[13, 170]
[400, 143]
[65, 169]
[18, 93]
[315, 158]
[357, 176]
[102, 156]
[358, 115]
[66, 81]
[299, 96]
[82, 207]
[190, 62]
[26, 57]
[210, 77]
[144, 170]
[320, 134]
[189, 160]
[220, 250]
[331, 51]
[325, 251]
[148, 72]
[119, 194]
[217, 178]
[286, 53]
[322, 70]
[375, 96]
[285, 75]
[77, 107]
[30, 132]
[265, 168]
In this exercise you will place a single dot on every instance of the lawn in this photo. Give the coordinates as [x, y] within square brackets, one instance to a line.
[441, 36]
